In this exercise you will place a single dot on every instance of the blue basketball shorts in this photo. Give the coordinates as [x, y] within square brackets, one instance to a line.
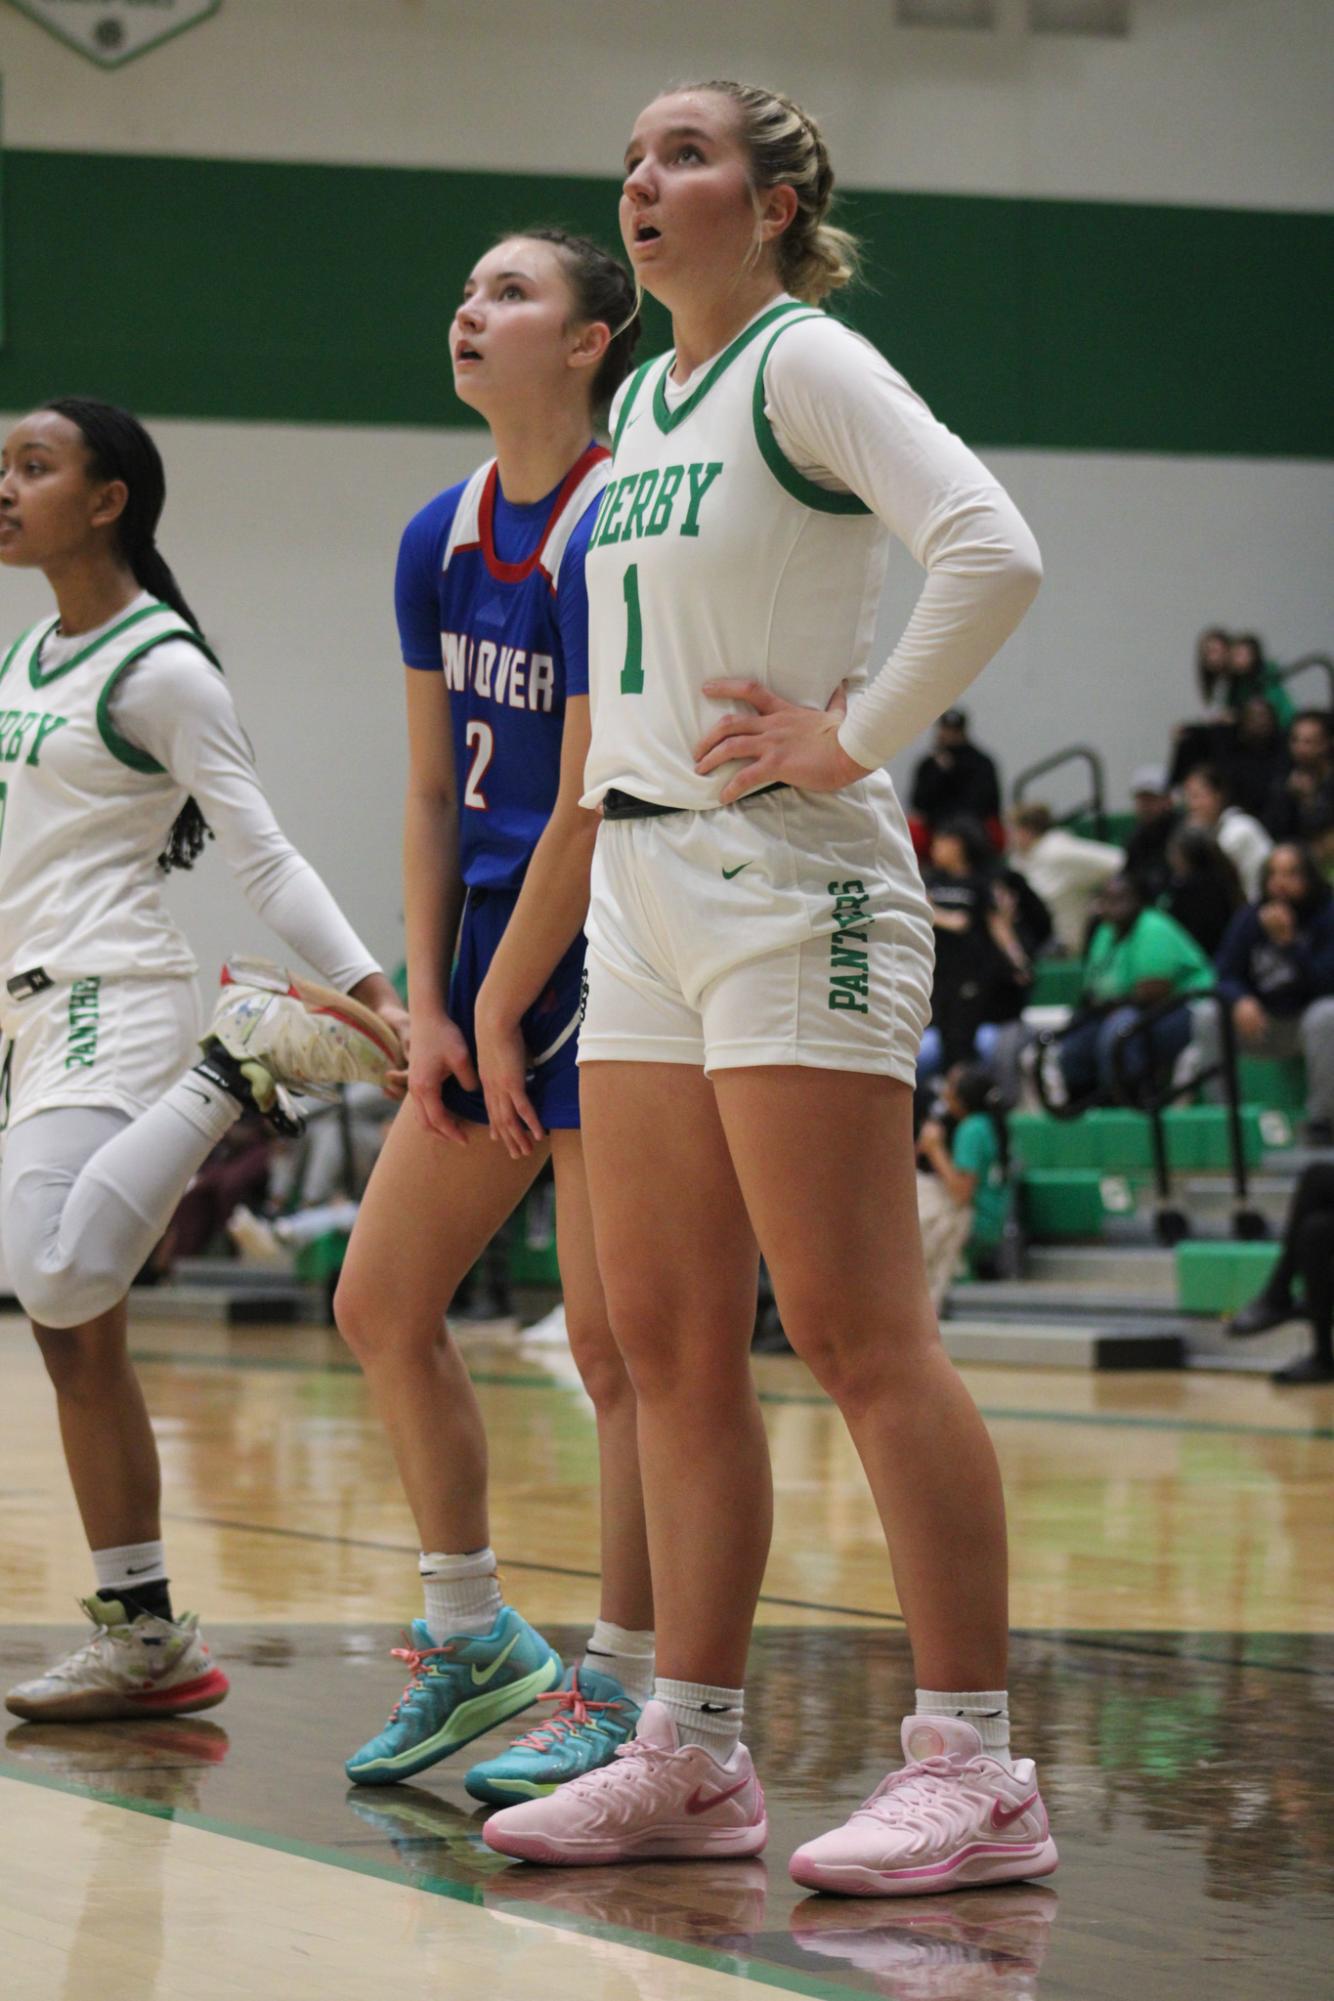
[550, 1027]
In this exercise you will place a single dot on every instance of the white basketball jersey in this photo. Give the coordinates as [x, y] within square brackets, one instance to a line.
[84, 814]
[713, 555]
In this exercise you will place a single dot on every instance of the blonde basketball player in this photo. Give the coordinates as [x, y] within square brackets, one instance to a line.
[759, 977]
[117, 738]
[493, 626]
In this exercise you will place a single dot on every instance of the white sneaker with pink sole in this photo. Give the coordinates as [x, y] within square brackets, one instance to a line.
[657, 1799]
[953, 1816]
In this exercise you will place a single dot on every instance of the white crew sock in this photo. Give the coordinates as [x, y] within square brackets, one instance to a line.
[628, 1655]
[987, 1709]
[710, 1717]
[131, 1564]
[462, 1592]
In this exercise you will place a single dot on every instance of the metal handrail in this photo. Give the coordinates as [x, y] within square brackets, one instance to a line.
[1286, 674]
[1094, 805]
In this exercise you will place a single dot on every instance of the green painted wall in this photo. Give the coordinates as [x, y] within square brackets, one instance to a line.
[252, 290]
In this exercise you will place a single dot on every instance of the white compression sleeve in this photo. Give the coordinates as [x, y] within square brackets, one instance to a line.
[848, 420]
[178, 708]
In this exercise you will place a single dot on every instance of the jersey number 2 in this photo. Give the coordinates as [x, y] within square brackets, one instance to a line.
[632, 672]
[481, 741]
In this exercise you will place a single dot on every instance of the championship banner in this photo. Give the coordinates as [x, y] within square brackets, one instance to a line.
[111, 32]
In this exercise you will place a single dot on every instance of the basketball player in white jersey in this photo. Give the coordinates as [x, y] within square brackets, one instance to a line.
[120, 749]
[759, 977]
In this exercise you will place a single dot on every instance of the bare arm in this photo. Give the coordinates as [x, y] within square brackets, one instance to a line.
[547, 919]
[432, 901]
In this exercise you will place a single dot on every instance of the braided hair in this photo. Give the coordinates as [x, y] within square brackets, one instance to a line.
[786, 149]
[120, 448]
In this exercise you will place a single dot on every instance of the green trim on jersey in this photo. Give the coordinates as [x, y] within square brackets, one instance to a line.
[636, 383]
[40, 680]
[119, 746]
[780, 465]
[668, 419]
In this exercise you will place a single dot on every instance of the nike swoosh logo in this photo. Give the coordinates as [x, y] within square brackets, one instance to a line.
[479, 1680]
[700, 1801]
[142, 1570]
[728, 873]
[1002, 1816]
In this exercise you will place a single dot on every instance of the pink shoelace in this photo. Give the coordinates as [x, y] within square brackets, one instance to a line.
[573, 1711]
[912, 1786]
[416, 1658]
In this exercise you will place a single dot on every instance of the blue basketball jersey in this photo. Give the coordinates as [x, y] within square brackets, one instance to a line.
[492, 595]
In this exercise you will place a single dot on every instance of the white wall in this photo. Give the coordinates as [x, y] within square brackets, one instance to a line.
[1210, 101]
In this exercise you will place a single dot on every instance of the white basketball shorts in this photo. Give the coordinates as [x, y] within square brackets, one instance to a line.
[96, 1041]
[790, 928]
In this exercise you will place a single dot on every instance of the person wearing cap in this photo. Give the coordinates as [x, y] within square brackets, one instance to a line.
[954, 781]
[1064, 869]
[1156, 820]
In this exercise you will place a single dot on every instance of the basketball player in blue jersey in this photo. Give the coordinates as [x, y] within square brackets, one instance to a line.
[493, 622]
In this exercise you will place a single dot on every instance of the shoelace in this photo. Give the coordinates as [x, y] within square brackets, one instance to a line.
[916, 1787]
[576, 1709]
[603, 1775]
[416, 1657]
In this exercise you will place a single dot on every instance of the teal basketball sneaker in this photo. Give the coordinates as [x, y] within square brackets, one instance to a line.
[593, 1714]
[456, 1692]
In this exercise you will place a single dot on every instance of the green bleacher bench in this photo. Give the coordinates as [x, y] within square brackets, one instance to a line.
[320, 1261]
[1220, 1278]
[1278, 1082]
[1057, 982]
[1116, 1141]
[1116, 827]
[1061, 1204]
[534, 1264]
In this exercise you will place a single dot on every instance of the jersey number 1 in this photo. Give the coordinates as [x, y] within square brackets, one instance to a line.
[632, 672]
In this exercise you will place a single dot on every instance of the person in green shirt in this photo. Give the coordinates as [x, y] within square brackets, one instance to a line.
[1137, 958]
[962, 1192]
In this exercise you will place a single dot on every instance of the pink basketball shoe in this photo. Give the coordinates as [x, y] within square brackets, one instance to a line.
[951, 1817]
[657, 1798]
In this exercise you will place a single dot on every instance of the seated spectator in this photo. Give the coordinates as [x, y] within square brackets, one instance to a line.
[1137, 958]
[1321, 846]
[1303, 797]
[1257, 758]
[962, 1198]
[1243, 840]
[1275, 967]
[1066, 870]
[1156, 820]
[1229, 669]
[1308, 1255]
[978, 956]
[955, 780]
[1203, 888]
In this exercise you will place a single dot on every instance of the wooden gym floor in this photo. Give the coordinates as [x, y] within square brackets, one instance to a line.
[1173, 1673]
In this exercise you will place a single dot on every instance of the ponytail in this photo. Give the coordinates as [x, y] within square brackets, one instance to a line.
[120, 448]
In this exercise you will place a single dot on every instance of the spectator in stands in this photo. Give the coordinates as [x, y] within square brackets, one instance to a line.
[1308, 1255]
[1243, 840]
[1203, 889]
[1303, 797]
[977, 951]
[1066, 870]
[1138, 958]
[955, 780]
[962, 1193]
[1276, 969]
[1228, 670]
[1258, 757]
[1321, 845]
[1156, 820]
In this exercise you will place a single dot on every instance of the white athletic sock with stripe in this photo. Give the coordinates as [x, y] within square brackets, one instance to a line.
[462, 1592]
[987, 1709]
[703, 1715]
[626, 1654]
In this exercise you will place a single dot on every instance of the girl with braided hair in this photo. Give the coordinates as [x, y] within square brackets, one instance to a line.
[118, 735]
[759, 967]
